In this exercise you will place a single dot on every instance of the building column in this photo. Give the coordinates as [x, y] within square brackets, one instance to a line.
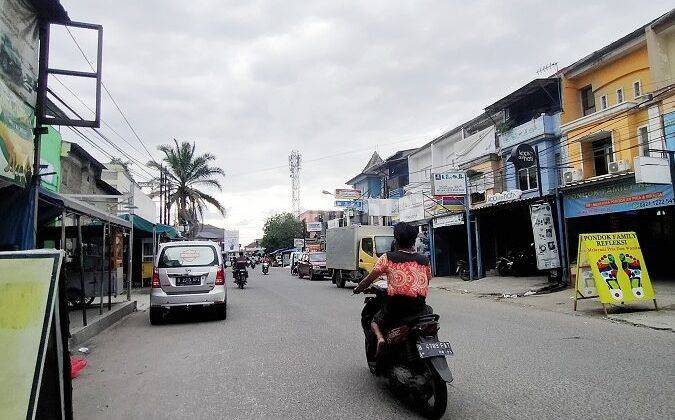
[432, 247]
[479, 259]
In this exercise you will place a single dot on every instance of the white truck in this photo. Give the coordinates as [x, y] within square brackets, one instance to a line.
[352, 251]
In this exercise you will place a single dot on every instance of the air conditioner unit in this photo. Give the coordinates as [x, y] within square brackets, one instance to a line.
[574, 175]
[618, 167]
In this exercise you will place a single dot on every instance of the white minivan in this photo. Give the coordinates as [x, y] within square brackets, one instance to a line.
[186, 274]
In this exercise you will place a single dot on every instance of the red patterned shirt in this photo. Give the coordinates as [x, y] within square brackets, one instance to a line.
[407, 274]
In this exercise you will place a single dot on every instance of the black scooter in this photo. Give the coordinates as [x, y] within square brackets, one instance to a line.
[414, 359]
[265, 268]
[240, 276]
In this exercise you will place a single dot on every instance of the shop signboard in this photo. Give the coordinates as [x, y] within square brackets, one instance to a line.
[611, 267]
[18, 76]
[27, 316]
[545, 242]
[523, 156]
[347, 194]
[298, 243]
[669, 127]
[231, 240]
[379, 207]
[314, 226]
[449, 183]
[350, 204]
[620, 196]
[448, 203]
[396, 193]
[50, 160]
[449, 220]
[509, 195]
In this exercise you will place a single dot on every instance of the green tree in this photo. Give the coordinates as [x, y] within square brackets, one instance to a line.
[280, 230]
[187, 172]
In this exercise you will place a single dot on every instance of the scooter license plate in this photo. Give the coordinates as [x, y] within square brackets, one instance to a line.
[436, 348]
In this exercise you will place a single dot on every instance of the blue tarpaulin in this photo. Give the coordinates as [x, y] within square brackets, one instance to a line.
[17, 210]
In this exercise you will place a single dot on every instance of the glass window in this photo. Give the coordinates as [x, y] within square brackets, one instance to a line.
[367, 245]
[637, 89]
[383, 244]
[643, 139]
[587, 100]
[603, 101]
[602, 155]
[527, 178]
[619, 96]
[188, 256]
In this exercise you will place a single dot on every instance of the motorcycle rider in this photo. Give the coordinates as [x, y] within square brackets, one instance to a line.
[408, 275]
[241, 262]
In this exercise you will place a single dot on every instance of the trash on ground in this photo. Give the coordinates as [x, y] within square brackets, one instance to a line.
[77, 364]
[529, 293]
[84, 350]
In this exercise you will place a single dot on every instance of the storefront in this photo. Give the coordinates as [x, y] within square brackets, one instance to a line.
[618, 205]
[449, 243]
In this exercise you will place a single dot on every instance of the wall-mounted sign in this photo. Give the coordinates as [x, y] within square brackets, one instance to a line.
[545, 242]
[523, 156]
[347, 194]
[449, 183]
[509, 195]
[620, 196]
[350, 204]
[298, 243]
[314, 226]
[449, 220]
[448, 203]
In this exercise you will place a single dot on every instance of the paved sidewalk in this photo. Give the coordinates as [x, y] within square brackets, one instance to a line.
[512, 289]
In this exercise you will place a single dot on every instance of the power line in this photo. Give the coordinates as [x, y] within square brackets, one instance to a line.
[109, 94]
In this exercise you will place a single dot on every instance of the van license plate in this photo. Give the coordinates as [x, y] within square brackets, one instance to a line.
[436, 348]
[188, 281]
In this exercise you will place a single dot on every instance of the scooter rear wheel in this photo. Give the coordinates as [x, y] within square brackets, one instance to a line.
[435, 405]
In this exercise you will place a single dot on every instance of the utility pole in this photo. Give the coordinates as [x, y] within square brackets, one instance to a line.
[294, 162]
[161, 194]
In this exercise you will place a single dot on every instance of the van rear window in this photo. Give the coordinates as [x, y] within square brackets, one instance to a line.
[188, 256]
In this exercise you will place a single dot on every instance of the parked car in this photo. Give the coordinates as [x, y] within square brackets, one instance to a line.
[187, 274]
[312, 265]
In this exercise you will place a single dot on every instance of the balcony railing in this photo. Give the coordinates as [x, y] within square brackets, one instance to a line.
[542, 125]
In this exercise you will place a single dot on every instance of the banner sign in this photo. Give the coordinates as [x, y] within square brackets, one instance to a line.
[298, 243]
[448, 203]
[18, 76]
[617, 197]
[611, 266]
[523, 156]
[347, 194]
[27, 301]
[380, 207]
[231, 240]
[449, 183]
[545, 242]
[501, 197]
[449, 220]
[396, 193]
[314, 226]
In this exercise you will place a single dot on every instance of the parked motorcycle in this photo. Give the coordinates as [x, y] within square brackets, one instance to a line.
[463, 270]
[520, 262]
[240, 276]
[265, 268]
[414, 359]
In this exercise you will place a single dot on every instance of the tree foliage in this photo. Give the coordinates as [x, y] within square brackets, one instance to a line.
[280, 230]
[187, 172]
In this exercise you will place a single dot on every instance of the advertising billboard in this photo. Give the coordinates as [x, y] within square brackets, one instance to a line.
[449, 183]
[347, 194]
[231, 240]
[18, 78]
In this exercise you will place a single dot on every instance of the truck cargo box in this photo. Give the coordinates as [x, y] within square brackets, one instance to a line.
[342, 244]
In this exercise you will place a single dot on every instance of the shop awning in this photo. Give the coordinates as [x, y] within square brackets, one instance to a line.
[147, 226]
[72, 205]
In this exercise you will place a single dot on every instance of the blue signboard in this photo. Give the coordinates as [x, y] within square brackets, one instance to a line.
[669, 126]
[617, 197]
[396, 193]
[350, 204]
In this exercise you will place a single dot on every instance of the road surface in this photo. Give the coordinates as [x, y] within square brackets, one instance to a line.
[292, 348]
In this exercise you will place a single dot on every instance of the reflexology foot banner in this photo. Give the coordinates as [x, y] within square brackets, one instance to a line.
[611, 266]
[28, 281]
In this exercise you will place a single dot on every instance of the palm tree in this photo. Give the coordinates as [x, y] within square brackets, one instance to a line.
[186, 172]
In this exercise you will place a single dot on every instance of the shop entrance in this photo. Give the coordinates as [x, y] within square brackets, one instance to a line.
[503, 229]
[449, 247]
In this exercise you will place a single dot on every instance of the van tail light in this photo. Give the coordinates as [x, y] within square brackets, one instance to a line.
[155, 278]
[220, 276]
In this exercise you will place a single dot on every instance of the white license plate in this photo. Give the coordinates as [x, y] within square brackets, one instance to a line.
[432, 349]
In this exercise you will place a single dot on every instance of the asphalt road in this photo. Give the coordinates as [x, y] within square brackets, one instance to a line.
[292, 348]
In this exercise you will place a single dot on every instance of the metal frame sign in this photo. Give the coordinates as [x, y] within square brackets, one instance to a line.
[611, 267]
[28, 290]
[347, 194]
[449, 183]
[314, 226]
[545, 241]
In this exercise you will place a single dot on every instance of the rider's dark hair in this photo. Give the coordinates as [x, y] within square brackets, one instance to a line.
[241, 253]
[405, 235]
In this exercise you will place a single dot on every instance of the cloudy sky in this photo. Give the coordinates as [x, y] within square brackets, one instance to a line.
[249, 81]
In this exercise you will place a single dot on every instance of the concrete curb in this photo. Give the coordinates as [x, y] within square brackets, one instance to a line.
[118, 312]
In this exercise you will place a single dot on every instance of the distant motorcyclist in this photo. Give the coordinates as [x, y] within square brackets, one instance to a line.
[408, 275]
[241, 262]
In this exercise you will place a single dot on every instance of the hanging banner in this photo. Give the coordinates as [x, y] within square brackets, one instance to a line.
[27, 297]
[611, 266]
[449, 183]
[350, 204]
[380, 207]
[545, 242]
[231, 240]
